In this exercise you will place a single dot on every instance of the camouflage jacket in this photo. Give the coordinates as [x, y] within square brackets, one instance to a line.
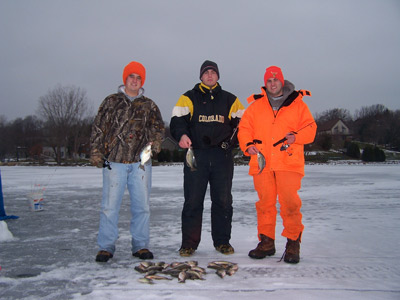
[123, 127]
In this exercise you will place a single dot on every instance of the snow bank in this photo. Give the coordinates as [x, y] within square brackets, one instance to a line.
[5, 234]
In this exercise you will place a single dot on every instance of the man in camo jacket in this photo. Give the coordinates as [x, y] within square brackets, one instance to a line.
[125, 123]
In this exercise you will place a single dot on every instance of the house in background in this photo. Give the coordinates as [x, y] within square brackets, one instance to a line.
[338, 131]
[334, 127]
[169, 144]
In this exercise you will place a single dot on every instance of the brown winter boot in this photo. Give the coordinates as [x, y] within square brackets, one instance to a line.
[264, 248]
[292, 252]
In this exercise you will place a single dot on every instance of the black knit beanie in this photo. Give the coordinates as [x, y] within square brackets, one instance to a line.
[207, 65]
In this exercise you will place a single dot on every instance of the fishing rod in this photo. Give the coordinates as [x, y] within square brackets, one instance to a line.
[226, 145]
[294, 132]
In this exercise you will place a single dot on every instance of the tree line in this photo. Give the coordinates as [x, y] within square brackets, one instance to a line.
[62, 123]
[64, 118]
[375, 125]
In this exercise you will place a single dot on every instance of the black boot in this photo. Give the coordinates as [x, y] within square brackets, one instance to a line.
[292, 252]
[103, 256]
[264, 248]
[143, 254]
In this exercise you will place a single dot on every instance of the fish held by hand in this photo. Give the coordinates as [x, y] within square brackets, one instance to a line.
[191, 160]
[145, 155]
[261, 162]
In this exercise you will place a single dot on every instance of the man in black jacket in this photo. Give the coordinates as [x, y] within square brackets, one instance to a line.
[205, 120]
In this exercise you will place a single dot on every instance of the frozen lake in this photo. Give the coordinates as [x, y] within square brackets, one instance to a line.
[351, 214]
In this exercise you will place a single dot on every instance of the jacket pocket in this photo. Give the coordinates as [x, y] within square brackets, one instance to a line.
[293, 157]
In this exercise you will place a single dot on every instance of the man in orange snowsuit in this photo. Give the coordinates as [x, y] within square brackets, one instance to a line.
[273, 131]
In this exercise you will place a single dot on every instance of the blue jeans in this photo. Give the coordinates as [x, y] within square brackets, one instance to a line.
[138, 182]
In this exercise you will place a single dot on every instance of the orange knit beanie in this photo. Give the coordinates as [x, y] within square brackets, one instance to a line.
[134, 67]
[274, 72]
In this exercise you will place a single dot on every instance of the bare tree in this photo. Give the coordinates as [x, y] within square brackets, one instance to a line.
[370, 111]
[19, 136]
[62, 108]
[3, 120]
[80, 136]
[333, 114]
[3, 136]
[373, 123]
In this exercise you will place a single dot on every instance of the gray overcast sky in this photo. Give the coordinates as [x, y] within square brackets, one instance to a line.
[346, 52]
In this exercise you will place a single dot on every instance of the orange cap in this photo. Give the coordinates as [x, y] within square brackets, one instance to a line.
[134, 67]
[274, 72]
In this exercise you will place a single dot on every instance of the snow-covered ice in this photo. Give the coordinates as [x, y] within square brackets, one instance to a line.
[351, 214]
[5, 234]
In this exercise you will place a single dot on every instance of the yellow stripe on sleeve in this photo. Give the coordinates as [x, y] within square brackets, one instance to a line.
[237, 109]
[183, 107]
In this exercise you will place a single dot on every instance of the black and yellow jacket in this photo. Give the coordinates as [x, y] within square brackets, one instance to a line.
[208, 116]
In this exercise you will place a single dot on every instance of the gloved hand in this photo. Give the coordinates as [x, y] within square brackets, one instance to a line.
[96, 160]
[290, 138]
[156, 147]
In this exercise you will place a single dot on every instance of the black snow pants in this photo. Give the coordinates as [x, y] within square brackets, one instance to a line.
[214, 166]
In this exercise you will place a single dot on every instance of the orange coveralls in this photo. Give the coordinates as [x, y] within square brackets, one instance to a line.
[281, 178]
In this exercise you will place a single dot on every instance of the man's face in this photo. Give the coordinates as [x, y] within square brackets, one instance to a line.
[133, 84]
[209, 78]
[274, 87]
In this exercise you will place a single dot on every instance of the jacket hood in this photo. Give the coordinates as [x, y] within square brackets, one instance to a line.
[288, 88]
[121, 89]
